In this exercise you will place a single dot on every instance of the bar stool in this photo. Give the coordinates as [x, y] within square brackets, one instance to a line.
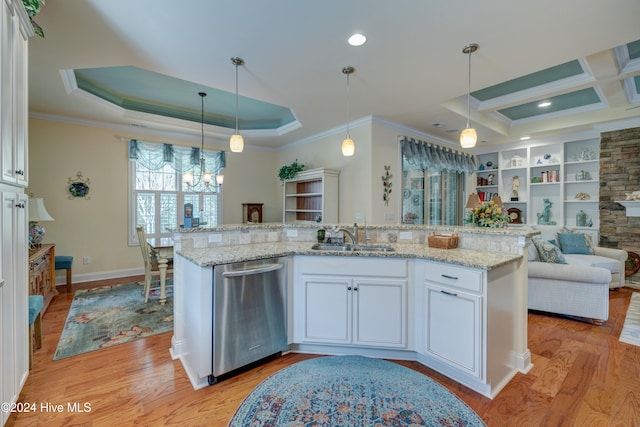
[65, 263]
[35, 324]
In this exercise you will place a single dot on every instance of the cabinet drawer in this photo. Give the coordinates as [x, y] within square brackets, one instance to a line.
[354, 266]
[454, 276]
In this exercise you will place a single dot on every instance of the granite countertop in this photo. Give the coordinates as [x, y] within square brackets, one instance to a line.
[523, 230]
[229, 254]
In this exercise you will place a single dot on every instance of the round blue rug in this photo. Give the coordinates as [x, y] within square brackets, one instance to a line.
[351, 391]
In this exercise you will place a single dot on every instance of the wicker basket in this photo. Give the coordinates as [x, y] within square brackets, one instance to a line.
[443, 242]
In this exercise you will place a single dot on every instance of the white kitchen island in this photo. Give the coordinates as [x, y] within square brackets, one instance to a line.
[462, 312]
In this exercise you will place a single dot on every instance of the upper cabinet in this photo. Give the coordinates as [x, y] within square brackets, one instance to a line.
[549, 184]
[15, 31]
[311, 196]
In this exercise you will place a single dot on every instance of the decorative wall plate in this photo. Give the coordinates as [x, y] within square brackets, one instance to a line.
[78, 186]
[78, 189]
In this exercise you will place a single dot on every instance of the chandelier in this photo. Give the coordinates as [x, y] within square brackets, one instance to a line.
[204, 180]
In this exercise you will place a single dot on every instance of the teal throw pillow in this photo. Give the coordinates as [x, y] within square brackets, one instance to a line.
[587, 238]
[548, 251]
[574, 243]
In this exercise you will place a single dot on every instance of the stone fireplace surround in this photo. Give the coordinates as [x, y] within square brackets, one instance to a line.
[619, 174]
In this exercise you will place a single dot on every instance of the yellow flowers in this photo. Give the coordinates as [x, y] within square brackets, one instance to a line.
[487, 215]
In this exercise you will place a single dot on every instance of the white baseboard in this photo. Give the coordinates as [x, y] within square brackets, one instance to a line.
[61, 278]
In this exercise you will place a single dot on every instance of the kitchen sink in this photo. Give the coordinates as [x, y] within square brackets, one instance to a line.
[375, 248]
[349, 247]
[332, 246]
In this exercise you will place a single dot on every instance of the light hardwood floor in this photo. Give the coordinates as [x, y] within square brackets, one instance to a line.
[583, 376]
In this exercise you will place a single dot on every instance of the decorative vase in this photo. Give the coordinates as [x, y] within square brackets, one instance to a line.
[581, 219]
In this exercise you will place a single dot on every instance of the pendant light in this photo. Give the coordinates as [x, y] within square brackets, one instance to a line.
[348, 146]
[469, 136]
[236, 143]
[205, 177]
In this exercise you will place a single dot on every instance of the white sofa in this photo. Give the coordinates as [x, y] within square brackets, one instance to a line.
[578, 288]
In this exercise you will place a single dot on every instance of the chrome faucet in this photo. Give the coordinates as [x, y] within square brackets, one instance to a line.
[352, 236]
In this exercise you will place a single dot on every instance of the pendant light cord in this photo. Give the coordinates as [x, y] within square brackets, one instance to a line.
[348, 135]
[202, 127]
[236, 99]
[202, 159]
[469, 92]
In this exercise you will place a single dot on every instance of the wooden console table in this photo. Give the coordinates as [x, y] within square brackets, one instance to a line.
[42, 273]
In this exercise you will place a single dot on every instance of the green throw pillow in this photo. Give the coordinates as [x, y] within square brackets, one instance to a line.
[548, 251]
[574, 243]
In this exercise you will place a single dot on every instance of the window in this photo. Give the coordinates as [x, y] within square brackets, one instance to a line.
[157, 190]
[433, 183]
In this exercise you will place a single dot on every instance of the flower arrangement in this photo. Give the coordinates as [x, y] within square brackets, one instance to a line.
[488, 214]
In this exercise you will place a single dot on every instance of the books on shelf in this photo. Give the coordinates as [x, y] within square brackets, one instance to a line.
[485, 196]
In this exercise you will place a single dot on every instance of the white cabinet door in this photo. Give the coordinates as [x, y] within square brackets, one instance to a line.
[360, 311]
[453, 328]
[14, 328]
[13, 98]
[326, 310]
[380, 312]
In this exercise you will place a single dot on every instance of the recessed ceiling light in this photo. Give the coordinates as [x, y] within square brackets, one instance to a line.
[357, 39]
[544, 104]
[524, 138]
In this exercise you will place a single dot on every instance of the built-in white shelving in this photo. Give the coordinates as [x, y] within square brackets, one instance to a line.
[563, 174]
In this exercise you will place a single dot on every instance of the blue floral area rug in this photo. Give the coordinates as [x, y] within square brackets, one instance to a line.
[110, 315]
[351, 391]
[631, 330]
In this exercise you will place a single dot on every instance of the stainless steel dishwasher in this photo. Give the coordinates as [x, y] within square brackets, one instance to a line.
[249, 314]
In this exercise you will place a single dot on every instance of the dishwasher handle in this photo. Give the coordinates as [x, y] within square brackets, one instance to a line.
[250, 271]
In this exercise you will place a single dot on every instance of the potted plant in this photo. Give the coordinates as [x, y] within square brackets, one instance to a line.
[290, 171]
[33, 7]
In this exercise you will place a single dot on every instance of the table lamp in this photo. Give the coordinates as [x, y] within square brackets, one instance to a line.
[37, 213]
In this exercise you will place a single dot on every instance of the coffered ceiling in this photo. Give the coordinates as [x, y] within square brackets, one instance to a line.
[140, 65]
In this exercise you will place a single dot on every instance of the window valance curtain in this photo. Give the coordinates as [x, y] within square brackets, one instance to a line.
[427, 155]
[183, 159]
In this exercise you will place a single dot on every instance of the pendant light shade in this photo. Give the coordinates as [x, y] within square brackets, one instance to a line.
[469, 136]
[348, 146]
[236, 143]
